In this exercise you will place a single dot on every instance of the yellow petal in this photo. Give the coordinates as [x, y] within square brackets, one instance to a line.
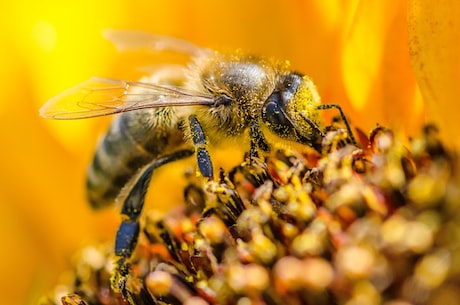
[51, 45]
[376, 67]
[434, 33]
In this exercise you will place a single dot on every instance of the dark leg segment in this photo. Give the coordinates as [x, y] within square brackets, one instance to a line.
[344, 119]
[257, 140]
[202, 154]
[126, 239]
[128, 231]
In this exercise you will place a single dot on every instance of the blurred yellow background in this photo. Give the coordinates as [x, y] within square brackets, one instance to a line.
[357, 52]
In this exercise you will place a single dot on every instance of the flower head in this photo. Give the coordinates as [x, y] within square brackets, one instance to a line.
[356, 52]
[350, 224]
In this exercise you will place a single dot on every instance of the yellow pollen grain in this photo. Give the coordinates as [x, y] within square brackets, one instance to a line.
[159, 282]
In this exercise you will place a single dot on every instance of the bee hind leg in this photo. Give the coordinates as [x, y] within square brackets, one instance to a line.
[134, 202]
[129, 229]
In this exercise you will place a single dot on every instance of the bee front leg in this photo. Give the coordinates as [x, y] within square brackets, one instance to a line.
[202, 154]
[344, 119]
[257, 140]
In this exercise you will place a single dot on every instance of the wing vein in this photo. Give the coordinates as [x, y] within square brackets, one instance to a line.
[104, 96]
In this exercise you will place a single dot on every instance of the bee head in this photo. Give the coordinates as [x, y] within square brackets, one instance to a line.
[290, 112]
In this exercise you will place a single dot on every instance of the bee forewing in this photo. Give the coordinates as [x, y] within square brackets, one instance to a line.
[126, 40]
[102, 96]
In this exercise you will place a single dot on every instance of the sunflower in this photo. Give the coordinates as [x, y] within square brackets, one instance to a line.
[394, 63]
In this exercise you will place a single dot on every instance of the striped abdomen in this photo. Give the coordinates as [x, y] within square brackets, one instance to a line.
[133, 140]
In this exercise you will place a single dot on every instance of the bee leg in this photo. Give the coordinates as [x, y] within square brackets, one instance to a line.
[202, 154]
[73, 299]
[257, 140]
[342, 115]
[128, 232]
[134, 202]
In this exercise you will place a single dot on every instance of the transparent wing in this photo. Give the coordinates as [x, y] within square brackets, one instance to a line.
[125, 40]
[102, 96]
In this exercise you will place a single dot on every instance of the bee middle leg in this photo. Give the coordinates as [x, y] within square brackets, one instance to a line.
[202, 154]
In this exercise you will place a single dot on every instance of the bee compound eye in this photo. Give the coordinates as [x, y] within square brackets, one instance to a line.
[274, 115]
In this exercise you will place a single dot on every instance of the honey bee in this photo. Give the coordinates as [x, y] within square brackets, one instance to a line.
[217, 98]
